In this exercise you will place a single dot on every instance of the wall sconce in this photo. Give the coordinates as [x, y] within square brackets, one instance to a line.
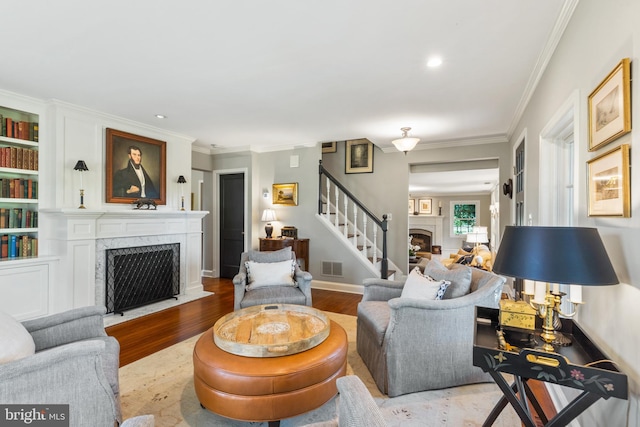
[269, 215]
[81, 166]
[181, 181]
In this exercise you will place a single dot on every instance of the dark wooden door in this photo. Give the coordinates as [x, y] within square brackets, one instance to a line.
[231, 223]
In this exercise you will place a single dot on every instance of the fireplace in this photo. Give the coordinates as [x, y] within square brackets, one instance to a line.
[421, 238]
[137, 276]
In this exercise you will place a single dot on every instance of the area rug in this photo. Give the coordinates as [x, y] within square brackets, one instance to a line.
[162, 384]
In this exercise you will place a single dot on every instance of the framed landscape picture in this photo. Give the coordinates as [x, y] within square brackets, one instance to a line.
[358, 156]
[285, 194]
[412, 206]
[610, 107]
[609, 192]
[135, 168]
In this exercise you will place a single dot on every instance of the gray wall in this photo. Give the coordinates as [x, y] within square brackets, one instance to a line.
[599, 35]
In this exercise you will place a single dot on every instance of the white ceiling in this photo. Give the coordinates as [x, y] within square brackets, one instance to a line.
[471, 181]
[269, 75]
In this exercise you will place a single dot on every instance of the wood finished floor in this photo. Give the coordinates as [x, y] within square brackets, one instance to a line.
[148, 334]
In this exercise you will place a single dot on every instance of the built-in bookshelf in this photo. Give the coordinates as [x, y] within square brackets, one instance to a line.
[19, 135]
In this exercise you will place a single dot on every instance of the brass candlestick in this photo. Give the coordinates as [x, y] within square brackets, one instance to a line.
[549, 311]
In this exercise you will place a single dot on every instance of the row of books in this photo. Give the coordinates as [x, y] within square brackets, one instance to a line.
[19, 129]
[18, 218]
[19, 158]
[15, 246]
[18, 188]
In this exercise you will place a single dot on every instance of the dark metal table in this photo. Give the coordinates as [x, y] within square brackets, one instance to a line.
[581, 366]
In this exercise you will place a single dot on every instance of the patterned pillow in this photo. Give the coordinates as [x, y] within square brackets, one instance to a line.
[460, 279]
[261, 274]
[423, 287]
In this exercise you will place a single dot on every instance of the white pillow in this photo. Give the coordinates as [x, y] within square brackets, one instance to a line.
[15, 341]
[423, 287]
[262, 274]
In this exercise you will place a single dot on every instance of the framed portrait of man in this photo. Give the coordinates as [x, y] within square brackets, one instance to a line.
[135, 168]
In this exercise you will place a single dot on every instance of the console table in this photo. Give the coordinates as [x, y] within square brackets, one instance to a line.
[299, 246]
[582, 366]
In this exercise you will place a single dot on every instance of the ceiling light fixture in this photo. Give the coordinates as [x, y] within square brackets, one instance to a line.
[161, 116]
[406, 143]
[434, 62]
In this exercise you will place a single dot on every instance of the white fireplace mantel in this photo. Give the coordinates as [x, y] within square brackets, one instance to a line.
[81, 236]
[434, 224]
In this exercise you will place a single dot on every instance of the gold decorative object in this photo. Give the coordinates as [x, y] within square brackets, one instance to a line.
[517, 314]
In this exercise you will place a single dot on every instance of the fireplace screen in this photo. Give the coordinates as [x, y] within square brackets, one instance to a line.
[141, 275]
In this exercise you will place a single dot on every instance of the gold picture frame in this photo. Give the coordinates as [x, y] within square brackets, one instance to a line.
[424, 206]
[609, 185]
[329, 147]
[358, 156]
[285, 194]
[122, 184]
[610, 107]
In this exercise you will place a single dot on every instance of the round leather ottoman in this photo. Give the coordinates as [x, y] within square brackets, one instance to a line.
[268, 389]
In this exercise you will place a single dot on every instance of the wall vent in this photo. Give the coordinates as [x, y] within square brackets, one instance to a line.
[330, 268]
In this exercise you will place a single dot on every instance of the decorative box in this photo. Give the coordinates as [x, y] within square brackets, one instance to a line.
[517, 314]
[289, 231]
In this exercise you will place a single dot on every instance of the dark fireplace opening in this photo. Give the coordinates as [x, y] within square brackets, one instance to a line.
[421, 238]
[141, 275]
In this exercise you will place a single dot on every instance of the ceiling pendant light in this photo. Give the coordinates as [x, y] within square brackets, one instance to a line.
[405, 143]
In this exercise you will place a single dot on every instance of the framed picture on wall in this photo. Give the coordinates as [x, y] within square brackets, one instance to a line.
[609, 192]
[135, 168]
[329, 147]
[412, 206]
[358, 156]
[424, 206]
[610, 107]
[285, 194]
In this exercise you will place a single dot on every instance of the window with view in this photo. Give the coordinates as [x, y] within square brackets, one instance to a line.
[465, 214]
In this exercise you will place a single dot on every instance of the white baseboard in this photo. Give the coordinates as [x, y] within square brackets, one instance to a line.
[339, 287]
[208, 273]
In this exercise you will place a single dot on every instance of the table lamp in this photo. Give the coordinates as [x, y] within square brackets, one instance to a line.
[268, 215]
[81, 166]
[556, 255]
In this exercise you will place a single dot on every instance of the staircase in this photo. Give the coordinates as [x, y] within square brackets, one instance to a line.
[354, 225]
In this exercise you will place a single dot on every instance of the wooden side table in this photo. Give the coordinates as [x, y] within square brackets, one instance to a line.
[299, 246]
[582, 366]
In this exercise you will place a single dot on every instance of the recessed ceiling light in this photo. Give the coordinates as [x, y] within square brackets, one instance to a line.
[434, 62]
[161, 116]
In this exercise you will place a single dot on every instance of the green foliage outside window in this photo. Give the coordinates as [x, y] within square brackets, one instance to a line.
[464, 218]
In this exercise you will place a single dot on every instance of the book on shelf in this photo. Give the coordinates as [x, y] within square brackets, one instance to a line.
[19, 129]
[4, 246]
[18, 246]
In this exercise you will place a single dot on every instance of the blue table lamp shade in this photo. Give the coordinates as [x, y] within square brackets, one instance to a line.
[564, 255]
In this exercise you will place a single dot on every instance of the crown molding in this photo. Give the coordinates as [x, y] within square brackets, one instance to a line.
[545, 56]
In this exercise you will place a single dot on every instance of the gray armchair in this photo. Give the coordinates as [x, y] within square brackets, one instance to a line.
[75, 363]
[412, 345]
[299, 294]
